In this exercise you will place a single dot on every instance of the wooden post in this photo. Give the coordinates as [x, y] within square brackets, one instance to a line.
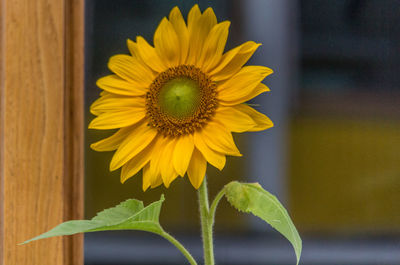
[41, 129]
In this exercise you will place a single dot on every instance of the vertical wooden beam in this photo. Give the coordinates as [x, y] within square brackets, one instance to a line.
[41, 133]
[74, 126]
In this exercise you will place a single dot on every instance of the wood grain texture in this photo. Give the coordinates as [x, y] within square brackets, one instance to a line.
[41, 131]
[74, 126]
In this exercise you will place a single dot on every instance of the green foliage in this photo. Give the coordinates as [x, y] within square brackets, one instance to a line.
[132, 215]
[128, 215]
[252, 198]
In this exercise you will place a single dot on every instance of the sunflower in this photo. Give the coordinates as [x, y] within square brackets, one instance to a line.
[176, 104]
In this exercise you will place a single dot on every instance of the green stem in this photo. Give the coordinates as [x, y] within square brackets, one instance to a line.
[179, 246]
[214, 205]
[206, 224]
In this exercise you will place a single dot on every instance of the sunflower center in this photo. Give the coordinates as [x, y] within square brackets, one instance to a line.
[181, 100]
[179, 97]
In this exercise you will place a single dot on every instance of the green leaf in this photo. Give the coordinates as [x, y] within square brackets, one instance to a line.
[128, 215]
[252, 198]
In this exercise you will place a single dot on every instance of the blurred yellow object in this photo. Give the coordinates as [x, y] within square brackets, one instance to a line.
[345, 175]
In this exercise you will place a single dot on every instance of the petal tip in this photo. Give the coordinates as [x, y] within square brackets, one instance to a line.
[92, 124]
[266, 89]
[94, 111]
[221, 168]
[113, 165]
[180, 172]
[166, 184]
[123, 180]
[174, 10]
[226, 23]
[197, 185]
[238, 154]
[93, 146]
[164, 20]
[99, 81]
[208, 9]
[196, 6]
[271, 125]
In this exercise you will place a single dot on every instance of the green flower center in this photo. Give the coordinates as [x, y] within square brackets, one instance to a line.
[181, 100]
[179, 97]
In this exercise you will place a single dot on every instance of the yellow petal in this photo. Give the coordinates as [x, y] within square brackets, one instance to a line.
[233, 119]
[235, 100]
[106, 97]
[218, 138]
[153, 172]
[166, 43]
[197, 169]
[96, 112]
[193, 20]
[134, 50]
[112, 102]
[199, 26]
[131, 70]
[149, 55]
[214, 45]
[168, 172]
[233, 60]
[182, 32]
[150, 180]
[111, 143]
[136, 163]
[183, 153]
[214, 158]
[140, 137]
[261, 121]
[116, 85]
[146, 177]
[155, 163]
[194, 15]
[242, 83]
[157, 181]
[118, 119]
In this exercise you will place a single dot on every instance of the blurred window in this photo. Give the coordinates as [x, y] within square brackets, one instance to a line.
[345, 136]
